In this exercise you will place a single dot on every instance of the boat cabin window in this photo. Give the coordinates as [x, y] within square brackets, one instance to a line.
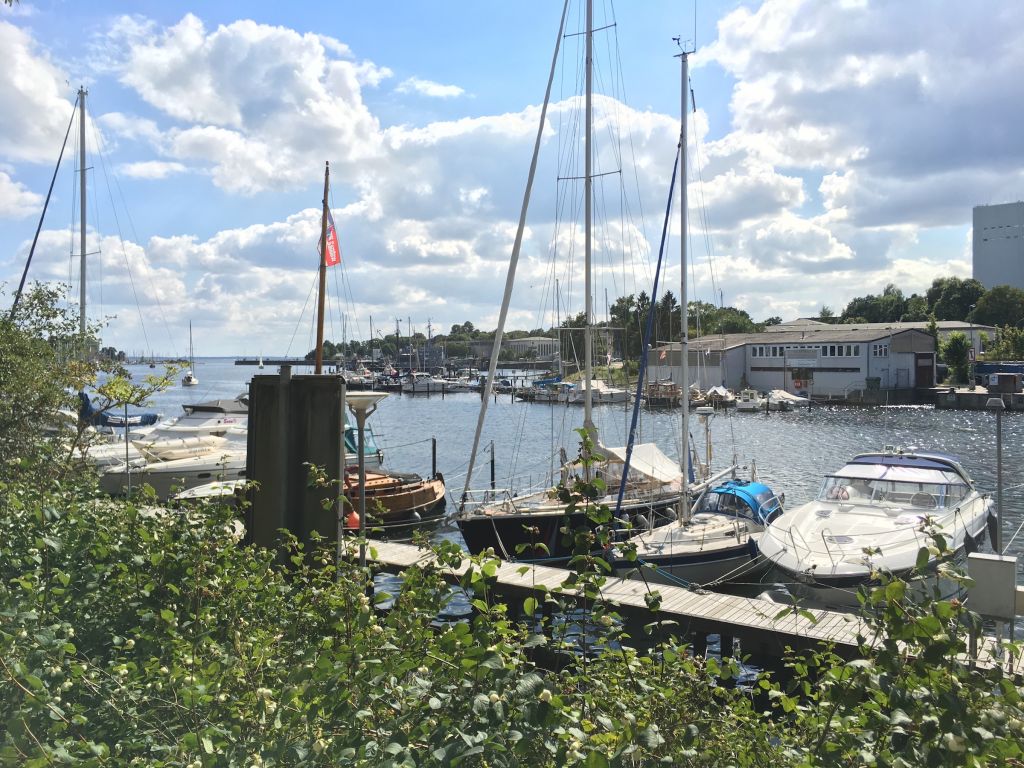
[723, 503]
[936, 495]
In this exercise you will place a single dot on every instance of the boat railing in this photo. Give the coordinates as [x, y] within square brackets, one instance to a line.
[825, 534]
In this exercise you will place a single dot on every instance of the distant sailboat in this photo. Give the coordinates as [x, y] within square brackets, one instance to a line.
[190, 379]
[261, 361]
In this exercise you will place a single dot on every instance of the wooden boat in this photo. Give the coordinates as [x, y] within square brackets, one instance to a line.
[396, 498]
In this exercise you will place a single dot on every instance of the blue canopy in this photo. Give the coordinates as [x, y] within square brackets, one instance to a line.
[756, 498]
[87, 413]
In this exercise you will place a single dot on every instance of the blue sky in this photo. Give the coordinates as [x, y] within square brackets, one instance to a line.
[836, 147]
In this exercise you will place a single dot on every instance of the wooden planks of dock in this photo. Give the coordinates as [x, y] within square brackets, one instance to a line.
[756, 623]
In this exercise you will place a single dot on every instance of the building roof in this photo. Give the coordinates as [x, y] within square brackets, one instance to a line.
[808, 323]
[820, 334]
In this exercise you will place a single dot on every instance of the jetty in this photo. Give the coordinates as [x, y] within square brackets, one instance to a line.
[765, 628]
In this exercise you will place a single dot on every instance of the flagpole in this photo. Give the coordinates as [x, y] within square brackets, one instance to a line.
[323, 276]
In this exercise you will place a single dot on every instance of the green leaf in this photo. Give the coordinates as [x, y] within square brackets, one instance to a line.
[530, 606]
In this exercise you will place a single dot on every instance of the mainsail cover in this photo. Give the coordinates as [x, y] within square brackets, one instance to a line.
[648, 460]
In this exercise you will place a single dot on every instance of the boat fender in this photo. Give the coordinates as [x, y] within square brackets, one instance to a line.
[415, 516]
[970, 545]
[352, 520]
[643, 522]
[993, 528]
[752, 548]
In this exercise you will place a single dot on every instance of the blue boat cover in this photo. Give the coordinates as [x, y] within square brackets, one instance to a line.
[87, 412]
[758, 497]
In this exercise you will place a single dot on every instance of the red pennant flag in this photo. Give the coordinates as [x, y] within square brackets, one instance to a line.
[333, 254]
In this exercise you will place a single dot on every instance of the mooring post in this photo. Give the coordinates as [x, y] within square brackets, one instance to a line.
[726, 643]
[700, 644]
[433, 457]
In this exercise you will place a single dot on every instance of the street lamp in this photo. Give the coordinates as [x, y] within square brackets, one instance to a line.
[996, 404]
[362, 404]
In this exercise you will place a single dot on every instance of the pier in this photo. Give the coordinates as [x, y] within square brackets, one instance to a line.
[764, 634]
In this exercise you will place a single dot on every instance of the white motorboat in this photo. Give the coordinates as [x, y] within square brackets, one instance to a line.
[750, 400]
[781, 400]
[600, 393]
[875, 514]
[423, 383]
[217, 418]
[171, 469]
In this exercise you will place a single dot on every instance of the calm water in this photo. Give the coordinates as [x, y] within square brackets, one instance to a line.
[791, 450]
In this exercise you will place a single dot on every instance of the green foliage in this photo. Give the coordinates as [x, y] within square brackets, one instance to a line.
[955, 351]
[1007, 345]
[151, 636]
[951, 298]
[1002, 306]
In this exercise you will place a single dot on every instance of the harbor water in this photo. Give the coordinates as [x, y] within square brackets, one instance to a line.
[791, 450]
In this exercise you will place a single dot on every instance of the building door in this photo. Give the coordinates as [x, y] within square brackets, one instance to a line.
[924, 370]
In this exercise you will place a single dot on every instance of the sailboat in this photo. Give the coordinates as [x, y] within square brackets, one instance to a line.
[393, 499]
[189, 379]
[717, 539]
[534, 525]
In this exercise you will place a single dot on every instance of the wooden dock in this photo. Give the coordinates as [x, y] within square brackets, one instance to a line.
[756, 623]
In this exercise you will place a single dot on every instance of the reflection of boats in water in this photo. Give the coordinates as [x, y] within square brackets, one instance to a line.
[873, 514]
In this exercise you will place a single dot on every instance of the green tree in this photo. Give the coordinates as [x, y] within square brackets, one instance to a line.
[1003, 305]
[956, 297]
[956, 354]
[916, 309]
[1007, 345]
[826, 315]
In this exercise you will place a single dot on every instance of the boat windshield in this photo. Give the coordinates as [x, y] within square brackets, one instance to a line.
[723, 504]
[922, 495]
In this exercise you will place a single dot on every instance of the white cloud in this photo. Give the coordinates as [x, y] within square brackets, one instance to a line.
[151, 169]
[429, 88]
[16, 201]
[262, 106]
[35, 108]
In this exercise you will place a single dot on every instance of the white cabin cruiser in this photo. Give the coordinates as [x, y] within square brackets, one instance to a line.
[874, 514]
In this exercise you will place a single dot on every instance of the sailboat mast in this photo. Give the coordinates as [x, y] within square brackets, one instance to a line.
[684, 330]
[81, 198]
[323, 276]
[588, 182]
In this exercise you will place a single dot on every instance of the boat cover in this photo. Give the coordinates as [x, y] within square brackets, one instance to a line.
[719, 391]
[900, 474]
[87, 413]
[648, 460]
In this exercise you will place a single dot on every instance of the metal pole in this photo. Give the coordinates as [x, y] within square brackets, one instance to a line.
[127, 466]
[81, 196]
[588, 185]
[433, 457]
[322, 288]
[361, 422]
[999, 481]
[493, 475]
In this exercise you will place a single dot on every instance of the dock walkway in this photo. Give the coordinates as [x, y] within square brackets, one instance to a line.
[755, 622]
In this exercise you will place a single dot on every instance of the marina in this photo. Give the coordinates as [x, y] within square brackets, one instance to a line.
[791, 449]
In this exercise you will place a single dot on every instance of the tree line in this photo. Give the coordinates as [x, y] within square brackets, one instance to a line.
[621, 334]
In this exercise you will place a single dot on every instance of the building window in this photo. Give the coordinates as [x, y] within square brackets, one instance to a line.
[879, 350]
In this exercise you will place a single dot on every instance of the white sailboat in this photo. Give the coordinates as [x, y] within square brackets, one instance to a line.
[531, 525]
[190, 379]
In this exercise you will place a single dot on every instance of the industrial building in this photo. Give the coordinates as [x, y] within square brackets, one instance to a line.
[998, 245]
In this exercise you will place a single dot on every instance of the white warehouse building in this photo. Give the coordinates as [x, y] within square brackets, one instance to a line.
[831, 362]
[998, 245]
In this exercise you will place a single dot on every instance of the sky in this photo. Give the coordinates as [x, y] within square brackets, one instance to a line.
[836, 147]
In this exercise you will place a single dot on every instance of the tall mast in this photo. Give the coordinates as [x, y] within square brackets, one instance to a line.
[81, 197]
[684, 331]
[588, 181]
[323, 276]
